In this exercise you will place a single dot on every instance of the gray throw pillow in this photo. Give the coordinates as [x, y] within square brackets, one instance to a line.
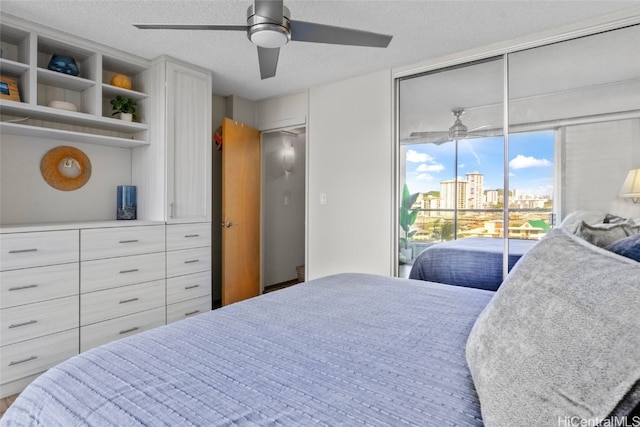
[603, 234]
[559, 340]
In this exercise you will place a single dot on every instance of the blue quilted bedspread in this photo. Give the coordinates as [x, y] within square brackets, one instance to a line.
[474, 262]
[346, 350]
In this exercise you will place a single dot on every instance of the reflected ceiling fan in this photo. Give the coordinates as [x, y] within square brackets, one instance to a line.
[456, 132]
[269, 27]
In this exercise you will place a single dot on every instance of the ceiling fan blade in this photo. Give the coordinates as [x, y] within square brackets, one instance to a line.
[191, 27]
[268, 60]
[271, 9]
[319, 33]
[429, 134]
[483, 133]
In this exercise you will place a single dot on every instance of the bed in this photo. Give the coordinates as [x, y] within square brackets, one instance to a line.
[471, 262]
[357, 349]
[350, 349]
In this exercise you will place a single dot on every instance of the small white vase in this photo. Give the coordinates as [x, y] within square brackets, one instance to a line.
[127, 117]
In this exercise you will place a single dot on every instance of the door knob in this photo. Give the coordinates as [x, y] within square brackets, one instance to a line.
[228, 224]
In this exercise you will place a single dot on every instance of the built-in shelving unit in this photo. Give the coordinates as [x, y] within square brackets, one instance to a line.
[26, 52]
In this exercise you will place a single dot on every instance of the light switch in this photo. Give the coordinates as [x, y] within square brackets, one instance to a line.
[323, 199]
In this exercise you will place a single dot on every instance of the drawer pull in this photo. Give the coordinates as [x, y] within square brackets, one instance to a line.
[29, 359]
[133, 270]
[191, 261]
[21, 251]
[191, 235]
[126, 331]
[124, 301]
[192, 312]
[129, 241]
[19, 288]
[17, 325]
[192, 286]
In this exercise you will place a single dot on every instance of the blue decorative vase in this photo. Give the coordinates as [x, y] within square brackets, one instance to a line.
[63, 64]
[126, 202]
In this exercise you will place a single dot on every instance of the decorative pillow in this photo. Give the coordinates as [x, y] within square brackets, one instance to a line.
[559, 340]
[575, 218]
[629, 247]
[603, 234]
[613, 219]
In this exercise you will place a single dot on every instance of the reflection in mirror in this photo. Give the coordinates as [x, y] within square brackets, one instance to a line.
[451, 151]
[69, 167]
[573, 111]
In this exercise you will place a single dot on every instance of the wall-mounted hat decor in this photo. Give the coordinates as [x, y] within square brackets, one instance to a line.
[65, 168]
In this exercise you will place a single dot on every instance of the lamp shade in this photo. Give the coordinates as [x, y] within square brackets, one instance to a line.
[631, 187]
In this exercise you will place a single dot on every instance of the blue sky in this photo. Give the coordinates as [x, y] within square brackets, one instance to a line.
[530, 162]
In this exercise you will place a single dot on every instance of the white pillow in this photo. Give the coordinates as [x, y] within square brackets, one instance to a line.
[572, 221]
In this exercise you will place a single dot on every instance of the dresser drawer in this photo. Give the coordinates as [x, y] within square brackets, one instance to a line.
[189, 286]
[37, 355]
[113, 272]
[188, 261]
[110, 330]
[188, 308]
[22, 250]
[123, 241]
[19, 287]
[116, 302]
[185, 236]
[35, 320]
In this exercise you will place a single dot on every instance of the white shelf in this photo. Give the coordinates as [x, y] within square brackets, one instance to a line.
[39, 112]
[69, 136]
[12, 68]
[65, 81]
[109, 91]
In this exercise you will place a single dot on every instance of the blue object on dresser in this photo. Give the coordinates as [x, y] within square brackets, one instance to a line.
[63, 64]
[127, 204]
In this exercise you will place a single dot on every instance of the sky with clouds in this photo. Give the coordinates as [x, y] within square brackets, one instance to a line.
[530, 163]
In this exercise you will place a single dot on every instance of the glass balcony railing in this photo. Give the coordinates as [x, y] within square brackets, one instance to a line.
[439, 225]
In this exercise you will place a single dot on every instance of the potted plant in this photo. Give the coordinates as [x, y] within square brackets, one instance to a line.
[126, 107]
[408, 216]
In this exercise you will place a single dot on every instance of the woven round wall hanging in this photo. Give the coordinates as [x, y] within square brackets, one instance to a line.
[65, 168]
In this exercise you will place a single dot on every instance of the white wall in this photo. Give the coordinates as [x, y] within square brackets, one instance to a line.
[350, 159]
[28, 199]
[597, 158]
[284, 209]
[242, 110]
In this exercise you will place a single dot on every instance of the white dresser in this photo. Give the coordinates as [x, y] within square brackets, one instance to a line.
[122, 282]
[39, 305]
[68, 288]
[188, 270]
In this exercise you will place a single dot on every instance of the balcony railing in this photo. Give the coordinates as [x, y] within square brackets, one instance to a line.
[437, 225]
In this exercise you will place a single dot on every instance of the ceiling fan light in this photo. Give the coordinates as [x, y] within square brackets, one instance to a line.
[458, 131]
[269, 36]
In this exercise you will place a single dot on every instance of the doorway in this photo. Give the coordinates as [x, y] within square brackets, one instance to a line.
[284, 204]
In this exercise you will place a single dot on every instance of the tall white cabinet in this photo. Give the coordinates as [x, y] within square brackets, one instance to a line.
[176, 168]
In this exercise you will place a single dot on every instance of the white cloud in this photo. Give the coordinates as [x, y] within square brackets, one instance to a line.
[424, 177]
[435, 167]
[415, 157]
[522, 162]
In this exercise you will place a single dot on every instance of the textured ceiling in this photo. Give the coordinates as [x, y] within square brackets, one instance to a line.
[422, 30]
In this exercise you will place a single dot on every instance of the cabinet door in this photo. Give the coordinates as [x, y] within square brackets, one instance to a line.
[189, 141]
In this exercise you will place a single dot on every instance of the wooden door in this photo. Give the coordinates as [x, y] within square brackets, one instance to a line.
[240, 212]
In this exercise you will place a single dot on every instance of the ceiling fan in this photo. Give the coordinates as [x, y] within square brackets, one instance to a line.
[269, 27]
[456, 132]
